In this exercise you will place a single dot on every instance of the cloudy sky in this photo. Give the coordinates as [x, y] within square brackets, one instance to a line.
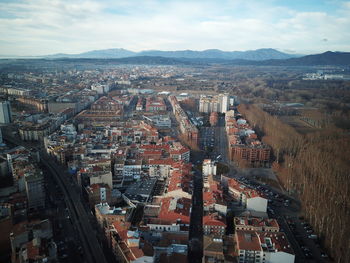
[41, 27]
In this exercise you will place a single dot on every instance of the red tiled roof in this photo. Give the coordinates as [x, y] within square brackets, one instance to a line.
[164, 147]
[161, 162]
[180, 211]
[250, 193]
[247, 240]
[212, 220]
[122, 229]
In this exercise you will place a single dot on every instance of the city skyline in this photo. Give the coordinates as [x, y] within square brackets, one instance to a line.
[49, 27]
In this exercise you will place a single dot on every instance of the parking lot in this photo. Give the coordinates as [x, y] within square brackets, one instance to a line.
[286, 210]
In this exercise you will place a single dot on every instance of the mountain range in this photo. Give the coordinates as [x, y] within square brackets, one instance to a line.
[256, 55]
[324, 59]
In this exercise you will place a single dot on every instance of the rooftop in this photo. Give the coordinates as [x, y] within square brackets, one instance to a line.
[141, 191]
[263, 241]
[105, 209]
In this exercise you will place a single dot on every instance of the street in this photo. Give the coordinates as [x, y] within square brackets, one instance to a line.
[77, 213]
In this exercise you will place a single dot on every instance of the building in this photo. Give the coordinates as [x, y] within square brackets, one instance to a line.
[187, 128]
[18, 92]
[243, 142]
[155, 104]
[5, 112]
[208, 104]
[213, 251]
[218, 103]
[98, 193]
[106, 104]
[170, 245]
[39, 104]
[132, 170]
[209, 167]
[178, 152]
[247, 197]
[125, 244]
[6, 219]
[34, 185]
[33, 242]
[139, 104]
[101, 89]
[214, 224]
[106, 215]
[4, 168]
[256, 224]
[213, 118]
[141, 191]
[214, 207]
[263, 247]
[160, 121]
[173, 215]
[160, 168]
[36, 127]
[224, 102]
[101, 177]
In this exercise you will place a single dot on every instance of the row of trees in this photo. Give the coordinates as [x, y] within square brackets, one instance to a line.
[316, 166]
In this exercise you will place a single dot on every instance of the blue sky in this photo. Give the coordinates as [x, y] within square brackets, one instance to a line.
[41, 27]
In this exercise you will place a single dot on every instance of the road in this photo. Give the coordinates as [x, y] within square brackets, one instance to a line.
[92, 249]
[215, 138]
[65, 233]
[195, 248]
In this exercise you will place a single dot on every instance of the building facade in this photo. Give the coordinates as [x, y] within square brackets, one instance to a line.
[5, 112]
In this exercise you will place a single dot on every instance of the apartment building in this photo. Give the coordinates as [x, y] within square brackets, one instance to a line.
[217, 103]
[263, 247]
[247, 197]
[256, 224]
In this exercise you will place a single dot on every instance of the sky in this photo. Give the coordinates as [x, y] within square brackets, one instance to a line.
[42, 27]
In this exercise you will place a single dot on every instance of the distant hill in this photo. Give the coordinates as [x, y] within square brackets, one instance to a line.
[105, 53]
[327, 58]
[258, 55]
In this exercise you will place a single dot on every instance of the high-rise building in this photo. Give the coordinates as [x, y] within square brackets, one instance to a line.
[35, 190]
[224, 102]
[218, 103]
[209, 167]
[5, 112]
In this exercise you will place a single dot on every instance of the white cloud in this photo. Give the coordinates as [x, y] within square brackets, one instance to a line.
[46, 27]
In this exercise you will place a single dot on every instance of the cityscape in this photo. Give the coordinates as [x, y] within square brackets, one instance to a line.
[172, 154]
